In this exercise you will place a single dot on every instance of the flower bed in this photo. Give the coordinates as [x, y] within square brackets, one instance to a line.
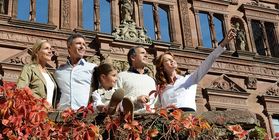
[25, 117]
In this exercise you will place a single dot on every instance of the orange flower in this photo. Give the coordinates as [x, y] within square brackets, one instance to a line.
[238, 131]
[152, 133]
[164, 113]
[190, 122]
[177, 114]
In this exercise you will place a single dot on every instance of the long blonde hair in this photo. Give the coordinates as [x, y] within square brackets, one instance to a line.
[36, 47]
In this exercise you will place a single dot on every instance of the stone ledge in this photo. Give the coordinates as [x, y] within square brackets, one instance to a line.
[243, 117]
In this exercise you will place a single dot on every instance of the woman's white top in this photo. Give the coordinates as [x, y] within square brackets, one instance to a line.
[182, 93]
[49, 87]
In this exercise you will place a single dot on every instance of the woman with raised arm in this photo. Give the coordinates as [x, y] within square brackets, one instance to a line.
[180, 91]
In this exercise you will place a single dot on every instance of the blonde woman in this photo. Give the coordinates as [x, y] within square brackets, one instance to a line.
[36, 75]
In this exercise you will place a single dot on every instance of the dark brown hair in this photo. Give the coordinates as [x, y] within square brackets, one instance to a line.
[132, 52]
[104, 68]
[161, 76]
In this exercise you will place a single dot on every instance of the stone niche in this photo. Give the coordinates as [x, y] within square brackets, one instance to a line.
[225, 94]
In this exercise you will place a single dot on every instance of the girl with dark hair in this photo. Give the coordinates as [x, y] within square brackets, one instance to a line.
[105, 97]
[104, 80]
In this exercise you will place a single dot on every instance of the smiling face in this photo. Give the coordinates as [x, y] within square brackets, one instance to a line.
[44, 54]
[108, 81]
[140, 58]
[77, 48]
[169, 63]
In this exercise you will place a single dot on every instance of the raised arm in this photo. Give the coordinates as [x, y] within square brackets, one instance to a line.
[197, 75]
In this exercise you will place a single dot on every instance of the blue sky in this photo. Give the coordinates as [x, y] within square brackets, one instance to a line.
[105, 18]
[205, 29]
[41, 10]
[88, 16]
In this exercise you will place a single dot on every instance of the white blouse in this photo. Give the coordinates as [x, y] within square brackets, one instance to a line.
[49, 87]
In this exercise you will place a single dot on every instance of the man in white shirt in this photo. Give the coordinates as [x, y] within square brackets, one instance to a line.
[136, 82]
[74, 77]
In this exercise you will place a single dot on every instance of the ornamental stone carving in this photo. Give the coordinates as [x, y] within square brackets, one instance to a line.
[224, 93]
[257, 3]
[251, 82]
[273, 91]
[120, 65]
[22, 58]
[235, 2]
[127, 30]
[66, 4]
[93, 59]
[225, 83]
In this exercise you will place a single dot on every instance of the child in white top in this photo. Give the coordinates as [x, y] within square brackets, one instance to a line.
[104, 79]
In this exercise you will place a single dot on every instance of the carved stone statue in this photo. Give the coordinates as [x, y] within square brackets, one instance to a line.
[128, 29]
[240, 37]
[126, 10]
[2, 11]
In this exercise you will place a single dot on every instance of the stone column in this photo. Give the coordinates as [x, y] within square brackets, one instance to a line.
[197, 18]
[32, 17]
[10, 7]
[185, 23]
[135, 15]
[14, 9]
[271, 125]
[172, 25]
[50, 12]
[250, 29]
[227, 27]
[65, 14]
[266, 46]
[140, 2]
[114, 21]
[276, 31]
[156, 21]
[97, 15]
[212, 30]
[79, 14]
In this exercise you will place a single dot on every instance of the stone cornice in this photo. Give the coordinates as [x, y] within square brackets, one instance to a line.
[271, 1]
[260, 13]
[220, 2]
[32, 24]
[31, 31]
[24, 38]
[215, 6]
